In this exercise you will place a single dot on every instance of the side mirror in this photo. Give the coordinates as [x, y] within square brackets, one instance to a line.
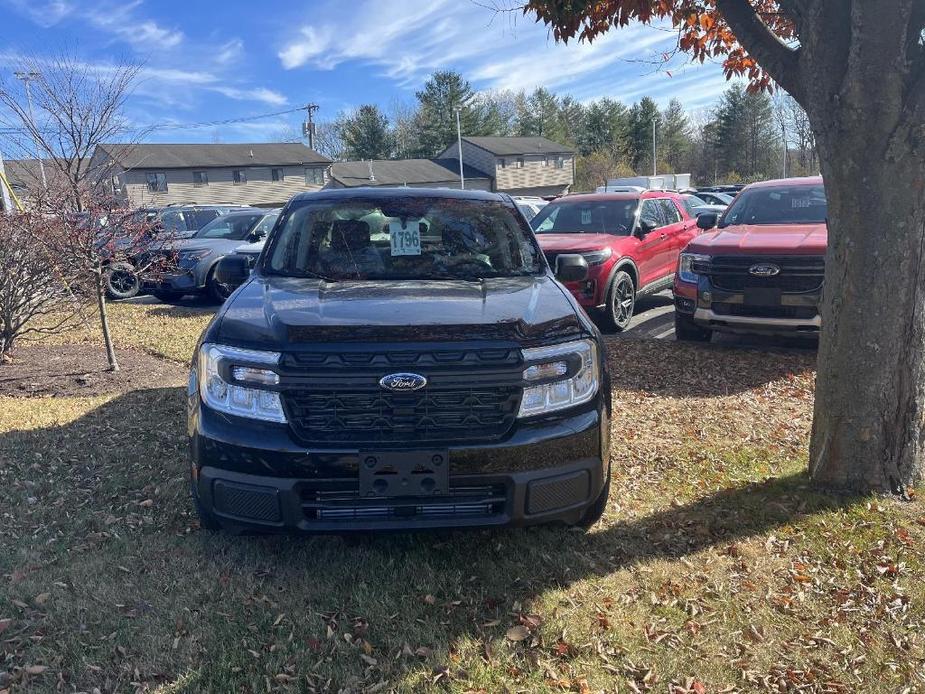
[571, 267]
[707, 220]
[645, 226]
[232, 271]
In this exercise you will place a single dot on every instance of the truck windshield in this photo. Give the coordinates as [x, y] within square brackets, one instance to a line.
[595, 217]
[793, 204]
[402, 238]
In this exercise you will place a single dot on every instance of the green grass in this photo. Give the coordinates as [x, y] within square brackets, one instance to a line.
[715, 563]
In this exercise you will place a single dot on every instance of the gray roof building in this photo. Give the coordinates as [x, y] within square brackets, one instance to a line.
[190, 156]
[514, 146]
[406, 172]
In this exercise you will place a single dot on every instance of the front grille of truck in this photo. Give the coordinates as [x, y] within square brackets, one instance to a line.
[793, 312]
[798, 274]
[340, 501]
[473, 395]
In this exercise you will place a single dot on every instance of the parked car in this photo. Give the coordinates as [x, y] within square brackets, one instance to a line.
[712, 198]
[761, 270]
[697, 206]
[440, 377]
[529, 205]
[630, 240]
[196, 257]
[183, 221]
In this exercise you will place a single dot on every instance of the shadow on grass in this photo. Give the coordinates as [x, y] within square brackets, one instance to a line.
[136, 441]
[196, 307]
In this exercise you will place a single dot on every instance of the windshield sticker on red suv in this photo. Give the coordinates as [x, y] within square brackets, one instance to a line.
[586, 217]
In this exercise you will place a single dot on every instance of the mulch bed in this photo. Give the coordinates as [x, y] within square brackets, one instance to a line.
[81, 370]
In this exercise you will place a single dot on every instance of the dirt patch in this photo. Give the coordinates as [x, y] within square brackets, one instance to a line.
[81, 370]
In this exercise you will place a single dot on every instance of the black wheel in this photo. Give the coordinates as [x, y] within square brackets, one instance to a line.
[594, 512]
[122, 281]
[621, 300]
[167, 296]
[216, 291]
[686, 330]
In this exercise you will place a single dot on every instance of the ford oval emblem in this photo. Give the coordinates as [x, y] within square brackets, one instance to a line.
[764, 270]
[403, 382]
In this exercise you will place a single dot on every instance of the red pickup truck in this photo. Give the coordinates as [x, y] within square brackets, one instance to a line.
[761, 270]
[630, 241]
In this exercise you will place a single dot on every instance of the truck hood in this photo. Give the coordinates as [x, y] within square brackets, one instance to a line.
[573, 243]
[796, 239]
[281, 312]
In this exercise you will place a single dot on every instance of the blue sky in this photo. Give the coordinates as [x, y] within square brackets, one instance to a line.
[206, 60]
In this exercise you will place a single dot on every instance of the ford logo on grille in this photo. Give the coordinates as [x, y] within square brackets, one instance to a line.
[403, 382]
[764, 270]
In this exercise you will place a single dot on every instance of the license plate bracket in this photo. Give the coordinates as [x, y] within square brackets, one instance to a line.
[762, 296]
[404, 473]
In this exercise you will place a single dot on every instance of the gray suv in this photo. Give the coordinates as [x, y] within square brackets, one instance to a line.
[194, 269]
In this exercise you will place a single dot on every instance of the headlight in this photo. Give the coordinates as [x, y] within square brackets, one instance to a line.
[597, 257]
[190, 258]
[234, 381]
[566, 375]
[685, 266]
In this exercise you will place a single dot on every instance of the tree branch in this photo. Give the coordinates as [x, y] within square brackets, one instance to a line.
[779, 60]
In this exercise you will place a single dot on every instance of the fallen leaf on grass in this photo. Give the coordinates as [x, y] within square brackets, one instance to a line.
[41, 598]
[430, 600]
[5, 624]
[518, 633]
[35, 669]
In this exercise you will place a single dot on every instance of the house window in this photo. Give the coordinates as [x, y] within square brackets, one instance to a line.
[314, 177]
[200, 178]
[157, 182]
[560, 162]
[239, 176]
[502, 163]
[276, 175]
[545, 161]
[520, 163]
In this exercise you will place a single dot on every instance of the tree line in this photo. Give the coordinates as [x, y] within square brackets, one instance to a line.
[740, 139]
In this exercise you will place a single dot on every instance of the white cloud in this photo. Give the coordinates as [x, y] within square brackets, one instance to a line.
[230, 52]
[262, 94]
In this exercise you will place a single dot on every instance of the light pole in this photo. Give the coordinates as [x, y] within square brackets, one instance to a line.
[654, 162]
[462, 178]
[26, 78]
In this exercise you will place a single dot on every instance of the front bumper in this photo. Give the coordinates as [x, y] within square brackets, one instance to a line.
[725, 311]
[256, 477]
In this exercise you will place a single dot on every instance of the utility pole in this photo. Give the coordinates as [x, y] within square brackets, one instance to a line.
[654, 162]
[462, 178]
[7, 203]
[783, 129]
[308, 127]
[26, 78]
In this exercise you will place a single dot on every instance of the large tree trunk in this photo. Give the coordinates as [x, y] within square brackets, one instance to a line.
[868, 428]
[869, 423]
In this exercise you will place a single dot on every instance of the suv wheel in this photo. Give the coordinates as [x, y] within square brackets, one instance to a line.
[218, 292]
[686, 330]
[621, 300]
[121, 281]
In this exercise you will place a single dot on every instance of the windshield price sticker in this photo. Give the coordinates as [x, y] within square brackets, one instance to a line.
[585, 217]
[406, 240]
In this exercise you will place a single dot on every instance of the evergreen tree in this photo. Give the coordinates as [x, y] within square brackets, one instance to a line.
[641, 117]
[366, 134]
[674, 142]
[603, 128]
[442, 94]
[745, 135]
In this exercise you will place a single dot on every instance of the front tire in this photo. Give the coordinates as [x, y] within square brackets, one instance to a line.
[122, 282]
[216, 291]
[621, 301]
[686, 330]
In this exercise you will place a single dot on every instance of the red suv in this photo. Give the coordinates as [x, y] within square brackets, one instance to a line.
[762, 269]
[630, 241]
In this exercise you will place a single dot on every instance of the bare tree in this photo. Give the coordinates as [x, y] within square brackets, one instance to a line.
[37, 294]
[74, 107]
